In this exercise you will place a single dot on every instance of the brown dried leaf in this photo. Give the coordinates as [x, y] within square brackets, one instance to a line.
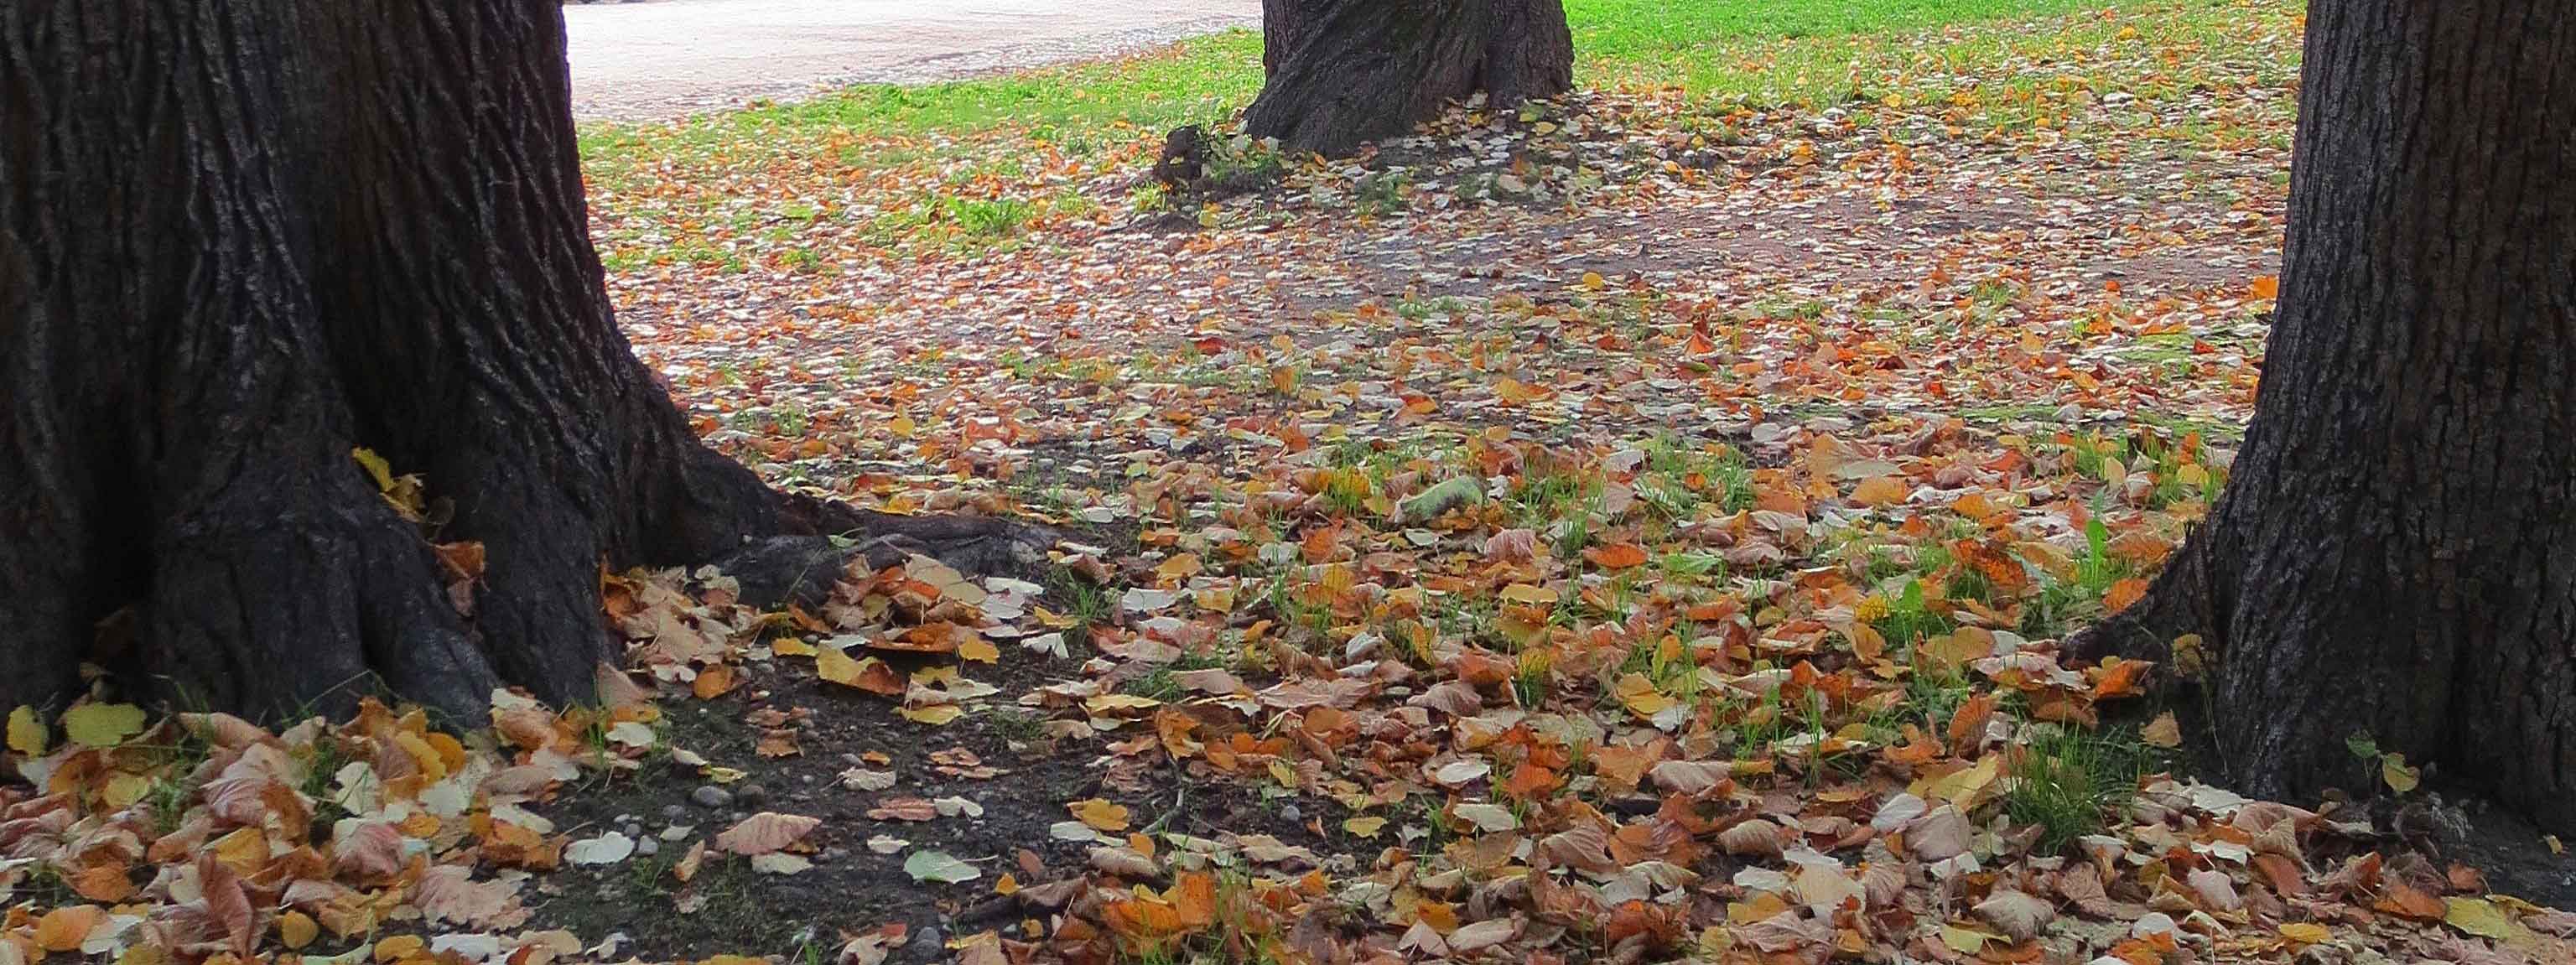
[766, 832]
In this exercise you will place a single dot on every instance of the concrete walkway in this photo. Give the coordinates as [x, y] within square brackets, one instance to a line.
[669, 58]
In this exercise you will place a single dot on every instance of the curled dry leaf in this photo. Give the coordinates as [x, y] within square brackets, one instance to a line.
[2016, 914]
[1124, 862]
[609, 848]
[1941, 834]
[1476, 937]
[449, 894]
[766, 832]
[367, 851]
[1758, 836]
[1692, 777]
[2214, 890]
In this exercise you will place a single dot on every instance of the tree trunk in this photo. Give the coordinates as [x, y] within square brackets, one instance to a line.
[2395, 553]
[1344, 72]
[240, 239]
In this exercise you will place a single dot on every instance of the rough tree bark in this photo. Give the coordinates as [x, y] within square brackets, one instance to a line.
[2395, 553]
[1344, 72]
[239, 239]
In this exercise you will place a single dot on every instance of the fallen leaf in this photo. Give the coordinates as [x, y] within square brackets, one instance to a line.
[939, 867]
[27, 734]
[102, 725]
[2016, 914]
[2305, 933]
[62, 929]
[296, 929]
[2164, 731]
[2480, 917]
[1100, 815]
[766, 832]
[2400, 778]
[609, 848]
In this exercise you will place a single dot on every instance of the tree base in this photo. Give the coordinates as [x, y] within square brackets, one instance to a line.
[1345, 72]
[781, 569]
[337, 227]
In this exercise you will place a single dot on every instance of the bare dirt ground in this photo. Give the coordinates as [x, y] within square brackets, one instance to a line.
[668, 58]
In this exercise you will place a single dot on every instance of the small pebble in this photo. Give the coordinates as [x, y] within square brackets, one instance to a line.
[751, 794]
[927, 938]
[710, 796]
[1292, 813]
[674, 812]
[648, 847]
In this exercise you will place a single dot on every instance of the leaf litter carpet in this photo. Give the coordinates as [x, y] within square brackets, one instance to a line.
[1634, 529]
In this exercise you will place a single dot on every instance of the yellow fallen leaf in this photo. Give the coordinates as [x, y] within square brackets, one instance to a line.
[1099, 814]
[979, 650]
[2164, 731]
[1514, 391]
[432, 764]
[1180, 567]
[1966, 786]
[27, 733]
[2400, 778]
[244, 848]
[1879, 491]
[126, 787]
[2305, 933]
[1592, 281]
[377, 468]
[1639, 695]
[833, 665]
[2480, 917]
[399, 947]
[296, 929]
[791, 647]
[102, 725]
[934, 714]
[1366, 827]
[1965, 941]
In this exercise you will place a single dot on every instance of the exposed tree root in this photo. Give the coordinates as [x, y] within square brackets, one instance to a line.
[779, 569]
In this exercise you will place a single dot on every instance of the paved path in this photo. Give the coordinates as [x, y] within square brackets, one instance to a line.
[668, 58]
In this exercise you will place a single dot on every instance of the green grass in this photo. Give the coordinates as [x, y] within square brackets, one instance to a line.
[2067, 781]
[966, 165]
[1204, 78]
[1702, 46]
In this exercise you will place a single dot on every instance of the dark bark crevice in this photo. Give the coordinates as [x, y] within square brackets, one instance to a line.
[2395, 553]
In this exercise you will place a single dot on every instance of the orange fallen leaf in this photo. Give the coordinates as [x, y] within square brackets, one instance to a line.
[1100, 815]
[1616, 556]
[62, 929]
